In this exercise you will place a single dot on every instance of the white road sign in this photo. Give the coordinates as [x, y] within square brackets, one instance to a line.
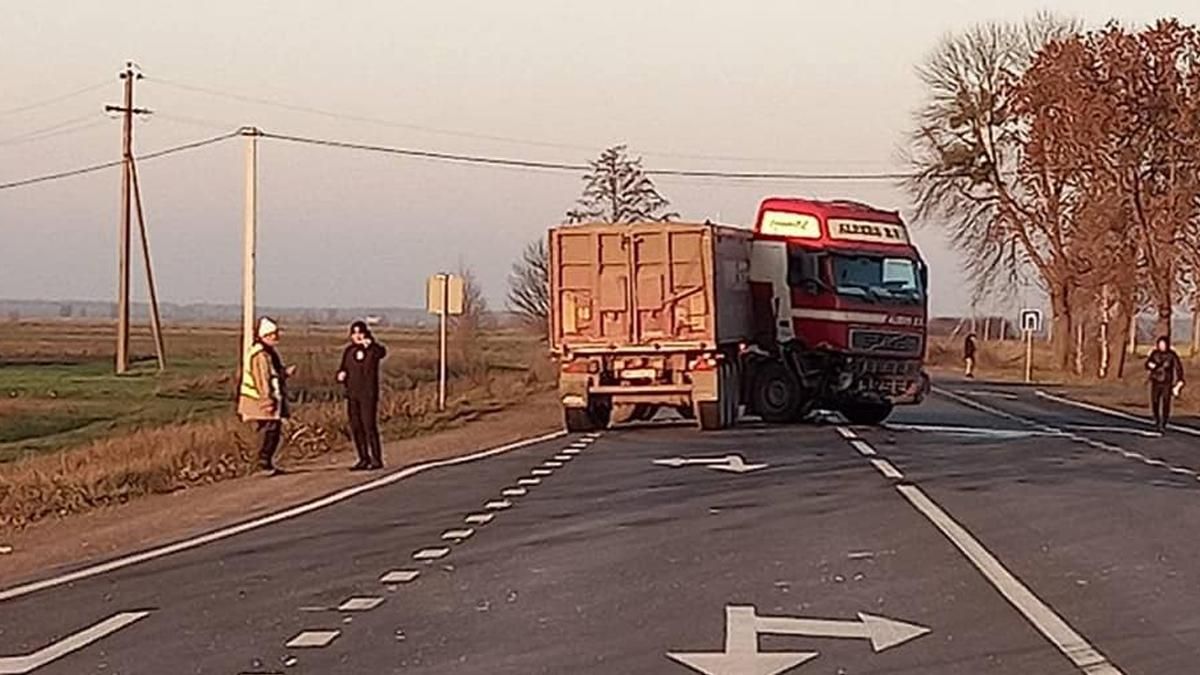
[1031, 320]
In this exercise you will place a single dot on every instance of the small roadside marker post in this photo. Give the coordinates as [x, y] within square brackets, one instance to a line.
[1031, 322]
[443, 297]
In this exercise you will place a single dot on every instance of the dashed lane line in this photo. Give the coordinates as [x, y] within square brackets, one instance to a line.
[514, 492]
[430, 554]
[313, 639]
[541, 472]
[458, 535]
[399, 577]
[1041, 616]
[863, 447]
[257, 523]
[498, 505]
[360, 604]
[479, 518]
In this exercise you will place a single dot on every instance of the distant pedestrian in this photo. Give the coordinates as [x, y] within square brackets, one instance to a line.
[1166, 380]
[359, 373]
[969, 355]
[263, 395]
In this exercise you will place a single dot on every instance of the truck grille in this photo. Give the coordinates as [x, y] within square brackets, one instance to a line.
[885, 342]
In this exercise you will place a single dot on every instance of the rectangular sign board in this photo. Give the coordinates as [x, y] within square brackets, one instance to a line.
[1031, 320]
[442, 290]
[865, 230]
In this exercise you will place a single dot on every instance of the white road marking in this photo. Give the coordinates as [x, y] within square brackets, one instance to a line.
[27, 663]
[972, 431]
[579, 445]
[1182, 471]
[430, 553]
[529, 482]
[479, 518]
[360, 604]
[542, 472]
[1116, 430]
[270, 519]
[863, 447]
[313, 639]
[399, 577]
[993, 394]
[846, 433]
[887, 469]
[514, 492]
[1053, 627]
[497, 505]
[553, 464]
[563, 457]
[458, 535]
[728, 463]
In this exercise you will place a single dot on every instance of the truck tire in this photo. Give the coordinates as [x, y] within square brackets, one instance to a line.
[709, 414]
[867, 413]
[591, 418]
[775, 394]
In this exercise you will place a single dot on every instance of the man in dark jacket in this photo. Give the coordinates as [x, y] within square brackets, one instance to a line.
[1166, 380]
[969, 355]
[359, 372]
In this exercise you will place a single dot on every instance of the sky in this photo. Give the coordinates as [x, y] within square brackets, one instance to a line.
[753, 85]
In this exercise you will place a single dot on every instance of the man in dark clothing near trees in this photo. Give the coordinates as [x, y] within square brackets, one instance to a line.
[1166, 380]
[359, 372]
[969, 355]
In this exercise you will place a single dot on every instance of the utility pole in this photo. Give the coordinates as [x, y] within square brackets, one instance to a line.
[128, 111]
[249, 235]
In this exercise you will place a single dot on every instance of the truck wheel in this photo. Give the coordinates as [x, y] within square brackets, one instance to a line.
[709, 414]
[867, 413]
[776, 394]
[577, 420]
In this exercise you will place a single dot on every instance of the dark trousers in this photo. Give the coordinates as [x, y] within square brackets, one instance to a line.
[1160, 401]
[363, 412]
[270, 433]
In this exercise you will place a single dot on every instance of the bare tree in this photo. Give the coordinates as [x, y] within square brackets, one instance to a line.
[529, 286]
[469, 325]
[966, 153]
[617, 190]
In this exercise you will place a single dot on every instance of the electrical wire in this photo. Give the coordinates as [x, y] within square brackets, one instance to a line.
[49, 131]
[117, 162]
[55, 99]
[564, 166]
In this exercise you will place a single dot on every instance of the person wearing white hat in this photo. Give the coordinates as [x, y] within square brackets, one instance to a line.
[263, 395]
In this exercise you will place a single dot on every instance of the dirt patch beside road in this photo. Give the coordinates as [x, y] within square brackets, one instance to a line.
[54, 545]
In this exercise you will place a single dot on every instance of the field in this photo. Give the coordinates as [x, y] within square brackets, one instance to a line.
[74, 436]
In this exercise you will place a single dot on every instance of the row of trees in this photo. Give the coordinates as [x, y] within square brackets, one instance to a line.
[1072, 157]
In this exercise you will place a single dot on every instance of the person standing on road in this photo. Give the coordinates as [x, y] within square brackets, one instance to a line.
[969, 355]
[263, 396]
[359, 373]
[1166, 380]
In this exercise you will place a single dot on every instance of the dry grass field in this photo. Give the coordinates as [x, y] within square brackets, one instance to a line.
[73, 436]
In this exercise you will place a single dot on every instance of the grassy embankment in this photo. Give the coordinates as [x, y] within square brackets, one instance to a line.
[74, 437]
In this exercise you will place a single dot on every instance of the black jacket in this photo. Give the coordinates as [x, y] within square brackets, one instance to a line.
[1165, 367]
[969, 348]
[361, 365]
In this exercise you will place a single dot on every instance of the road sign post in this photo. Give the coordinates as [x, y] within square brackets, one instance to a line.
[1031, 322]
[443, 296]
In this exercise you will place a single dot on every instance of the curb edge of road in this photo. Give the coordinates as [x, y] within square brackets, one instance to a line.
[310, 506]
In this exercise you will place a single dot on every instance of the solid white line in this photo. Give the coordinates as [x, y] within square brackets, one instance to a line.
[863, 448]
[19, 665]
[270, 519]
[1053, 627]
[887, 469]
[1111, 413]
[399, 577]
[310, 639]
[360, 604]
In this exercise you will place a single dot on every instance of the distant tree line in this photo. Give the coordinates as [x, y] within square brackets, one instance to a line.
[1071, 157]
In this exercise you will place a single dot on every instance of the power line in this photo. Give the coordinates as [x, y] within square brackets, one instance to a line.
[54, 99]
[341, 115]
[575, 168]
[65, 127]
[117, 162]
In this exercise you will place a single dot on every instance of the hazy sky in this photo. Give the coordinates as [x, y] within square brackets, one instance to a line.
[797, 85]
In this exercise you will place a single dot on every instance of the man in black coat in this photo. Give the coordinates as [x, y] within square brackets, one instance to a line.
[1166, 380]
[359, 373]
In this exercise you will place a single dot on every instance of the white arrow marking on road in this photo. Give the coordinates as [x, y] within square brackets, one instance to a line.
[27, 663]
[730, 463]
[743, 626]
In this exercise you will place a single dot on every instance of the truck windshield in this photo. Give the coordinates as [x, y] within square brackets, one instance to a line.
[878, 278]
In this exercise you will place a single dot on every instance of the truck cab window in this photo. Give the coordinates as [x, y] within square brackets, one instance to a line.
[804, 270]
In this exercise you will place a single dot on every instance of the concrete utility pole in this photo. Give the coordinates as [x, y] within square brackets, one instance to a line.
[249, 235]
[128, 111]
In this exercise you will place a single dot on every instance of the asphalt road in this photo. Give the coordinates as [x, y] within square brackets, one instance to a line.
[989, 530]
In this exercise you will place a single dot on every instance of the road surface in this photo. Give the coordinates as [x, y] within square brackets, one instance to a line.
[990, 530]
